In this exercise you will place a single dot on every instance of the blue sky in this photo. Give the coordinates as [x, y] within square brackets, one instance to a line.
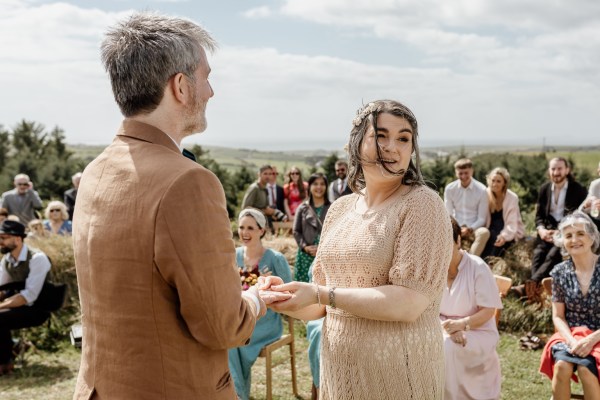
[292, 73]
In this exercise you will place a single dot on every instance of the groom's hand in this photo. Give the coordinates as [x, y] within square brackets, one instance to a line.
[263, 307]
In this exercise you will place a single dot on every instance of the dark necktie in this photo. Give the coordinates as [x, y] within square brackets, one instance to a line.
[189, 154]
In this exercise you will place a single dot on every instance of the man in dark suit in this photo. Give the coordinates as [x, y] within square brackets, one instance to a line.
[557, 198]
[339, 187]
[71, 195]
[276, 194]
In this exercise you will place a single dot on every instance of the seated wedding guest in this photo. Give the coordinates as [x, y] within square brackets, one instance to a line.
[3, 214]
[294, 191]
[504, 217]
[57, 218]
[591, 204]
[254, 260]
[467, 311]
[20, 264]
[575, 347]
[308, 224]
[467, 201]
[36, 229]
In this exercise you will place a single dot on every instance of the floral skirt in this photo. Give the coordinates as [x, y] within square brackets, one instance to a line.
[303, 262]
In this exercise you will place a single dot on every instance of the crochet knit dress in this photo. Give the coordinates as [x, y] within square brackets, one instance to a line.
[406, 242]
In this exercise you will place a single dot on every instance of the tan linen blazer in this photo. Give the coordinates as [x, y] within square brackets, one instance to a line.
[160, 294]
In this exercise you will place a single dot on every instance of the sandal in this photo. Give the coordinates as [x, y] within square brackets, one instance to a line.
[531, 342]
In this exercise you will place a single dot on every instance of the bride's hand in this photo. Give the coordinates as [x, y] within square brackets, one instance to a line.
[302, 295]
[265, 291]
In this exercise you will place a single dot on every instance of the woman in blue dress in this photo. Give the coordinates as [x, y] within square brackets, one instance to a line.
[255, 260]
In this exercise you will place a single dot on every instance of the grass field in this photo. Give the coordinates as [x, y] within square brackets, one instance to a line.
[51, 376]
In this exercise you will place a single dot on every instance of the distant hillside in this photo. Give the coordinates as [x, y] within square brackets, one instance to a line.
[232, 159]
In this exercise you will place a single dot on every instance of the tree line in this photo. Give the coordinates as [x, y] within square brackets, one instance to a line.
[43, 155]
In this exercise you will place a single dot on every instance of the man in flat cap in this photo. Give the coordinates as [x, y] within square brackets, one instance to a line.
[20, 264]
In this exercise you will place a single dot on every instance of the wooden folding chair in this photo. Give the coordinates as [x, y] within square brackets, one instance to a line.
[504, 283]
[285, 340]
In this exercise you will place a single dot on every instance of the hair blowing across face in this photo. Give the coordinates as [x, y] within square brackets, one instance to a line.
[143, 52]
[367, 118]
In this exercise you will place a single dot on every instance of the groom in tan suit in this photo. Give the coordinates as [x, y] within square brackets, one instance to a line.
[161, 300]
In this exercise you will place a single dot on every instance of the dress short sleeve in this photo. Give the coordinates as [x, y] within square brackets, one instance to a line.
[281, 267]
[558, 277]
[423, 247]
[486, 290]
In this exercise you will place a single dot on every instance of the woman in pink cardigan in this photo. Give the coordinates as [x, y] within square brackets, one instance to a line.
[504, 217]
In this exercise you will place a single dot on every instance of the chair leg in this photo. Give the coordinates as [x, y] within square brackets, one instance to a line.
[293, 362]
[268, 365]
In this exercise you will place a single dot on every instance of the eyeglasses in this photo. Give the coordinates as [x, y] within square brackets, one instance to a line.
[341, 170]
[55, 210]
[22, 184]
[294, 173]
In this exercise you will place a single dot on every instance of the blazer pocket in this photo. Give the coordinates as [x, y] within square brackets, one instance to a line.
[224, 382]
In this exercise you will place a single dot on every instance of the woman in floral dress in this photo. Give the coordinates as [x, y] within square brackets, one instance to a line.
[575, 347]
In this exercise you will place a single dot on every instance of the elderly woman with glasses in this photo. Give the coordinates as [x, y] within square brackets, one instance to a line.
[57, 218]
[575, 347]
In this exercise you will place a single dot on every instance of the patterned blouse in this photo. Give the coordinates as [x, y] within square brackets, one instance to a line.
[580, 310]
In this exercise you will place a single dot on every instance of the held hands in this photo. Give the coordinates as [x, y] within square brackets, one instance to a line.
[581, 348]
[291, 296]
[500, 241]
[547, 235]
[459, 338]
[452, 326]
[311, 250]
[269, 296]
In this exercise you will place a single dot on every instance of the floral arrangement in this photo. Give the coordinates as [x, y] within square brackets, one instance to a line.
[363, 112]
[249, 278]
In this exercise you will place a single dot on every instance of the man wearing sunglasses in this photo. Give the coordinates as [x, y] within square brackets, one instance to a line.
[22, 201]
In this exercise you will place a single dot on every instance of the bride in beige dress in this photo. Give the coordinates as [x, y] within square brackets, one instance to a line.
[380, 269]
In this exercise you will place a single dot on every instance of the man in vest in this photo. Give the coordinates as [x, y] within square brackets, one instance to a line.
[19, 264]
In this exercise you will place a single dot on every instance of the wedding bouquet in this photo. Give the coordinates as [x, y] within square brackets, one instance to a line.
[249, 278]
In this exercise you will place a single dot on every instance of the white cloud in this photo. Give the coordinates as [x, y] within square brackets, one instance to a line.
[525, 38]
[539, 85]
[258, 12]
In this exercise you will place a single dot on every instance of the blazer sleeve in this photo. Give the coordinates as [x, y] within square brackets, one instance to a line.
[195, 253]
[541, 206]
[298, 222]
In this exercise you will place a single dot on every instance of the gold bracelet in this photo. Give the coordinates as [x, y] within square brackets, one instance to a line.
[332, 297]
[318, 294]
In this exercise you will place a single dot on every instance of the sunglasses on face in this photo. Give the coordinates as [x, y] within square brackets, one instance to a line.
[55, 210]
[22, 184]
[294, 173]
